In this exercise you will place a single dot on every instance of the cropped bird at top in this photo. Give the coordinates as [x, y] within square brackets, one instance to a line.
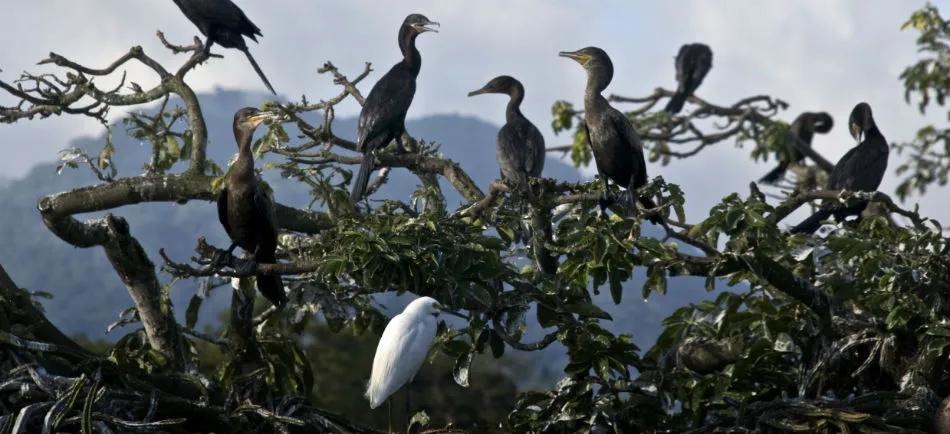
[224, 23]
[383, 116]
[402, 349]
[804, 127]
[519, 145]
[247, 210]
[693, 62]
[860, 169]
[617, 148]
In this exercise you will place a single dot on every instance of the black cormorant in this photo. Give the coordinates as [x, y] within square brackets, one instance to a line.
[519, 145]
[617, 148]
[804, 127]
[693, 62]
[861, 169]
[225, 24]
[247, 211]
[383, 117]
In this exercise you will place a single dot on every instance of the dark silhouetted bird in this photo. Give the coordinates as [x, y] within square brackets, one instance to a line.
[383, 117]
[693, 62]
[247, 210]
[861, 169]
[519, 145]
[617, 148]
[225, 24]
[804, 127]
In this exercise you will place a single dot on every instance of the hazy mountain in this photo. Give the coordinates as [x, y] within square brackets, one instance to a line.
[89, 295]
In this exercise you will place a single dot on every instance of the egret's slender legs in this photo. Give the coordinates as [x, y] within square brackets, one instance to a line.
[408, 416]
[390, 404]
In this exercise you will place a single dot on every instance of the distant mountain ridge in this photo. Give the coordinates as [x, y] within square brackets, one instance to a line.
[89, 295]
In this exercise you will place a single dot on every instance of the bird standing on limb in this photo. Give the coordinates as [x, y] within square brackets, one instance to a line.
[383, 116]
[247, 210]
[693, 62]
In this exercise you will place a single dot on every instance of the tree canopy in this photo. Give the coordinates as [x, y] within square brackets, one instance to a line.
[837, 332]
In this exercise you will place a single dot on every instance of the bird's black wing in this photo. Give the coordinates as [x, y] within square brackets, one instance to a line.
[264, 204]
[846, 170]
[534, 150]
[629, 136]
[387, 102]
[220, 13]
[223, 210]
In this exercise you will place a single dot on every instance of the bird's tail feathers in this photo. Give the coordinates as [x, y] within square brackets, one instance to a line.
[676, 103]
[271, 287]
[362, 178]
[260, 73]
[811, 224]
[774, 175]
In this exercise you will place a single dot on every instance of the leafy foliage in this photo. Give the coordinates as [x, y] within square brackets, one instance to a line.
[837, 333]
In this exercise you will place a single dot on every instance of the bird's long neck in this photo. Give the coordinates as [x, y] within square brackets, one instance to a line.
[410, 55]
[872, 131]
[514, 103]
[243, 167]
[597, 81]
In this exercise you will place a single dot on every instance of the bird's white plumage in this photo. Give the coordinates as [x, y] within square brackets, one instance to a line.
[402, 349]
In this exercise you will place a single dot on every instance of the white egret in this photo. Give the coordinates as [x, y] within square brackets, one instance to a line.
[402, 349]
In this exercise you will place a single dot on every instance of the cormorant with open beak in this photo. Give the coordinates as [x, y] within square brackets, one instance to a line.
[247, 210]
[225, 24]
[383, 117]
[693, 62]
[861, 169]
[617, 148]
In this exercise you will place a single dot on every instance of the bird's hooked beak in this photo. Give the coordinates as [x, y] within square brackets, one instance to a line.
[578, 56]
[857, 132]
[261, 117]
[422, 28]
[479, 91]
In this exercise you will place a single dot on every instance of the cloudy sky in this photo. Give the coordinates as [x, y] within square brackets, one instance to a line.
[815, 54]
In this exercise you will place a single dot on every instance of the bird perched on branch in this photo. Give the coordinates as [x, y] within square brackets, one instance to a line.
[402, 349]
[617, 148]
[247, 210]
[804, 128]
[225, 24]
[383, 116]
[861, 169]
[693, 62]
[519, 145]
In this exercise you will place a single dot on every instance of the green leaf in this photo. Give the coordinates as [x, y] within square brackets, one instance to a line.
[586, 309]
[191, 314]
[462, 366]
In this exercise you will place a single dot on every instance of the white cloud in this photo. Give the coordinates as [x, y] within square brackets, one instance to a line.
[816, 55]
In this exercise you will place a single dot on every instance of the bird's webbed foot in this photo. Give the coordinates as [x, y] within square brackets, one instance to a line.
[605, 201]
[248, 266]
[221, 258]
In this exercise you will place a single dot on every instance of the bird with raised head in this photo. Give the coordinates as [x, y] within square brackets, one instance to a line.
[402, 349]
[860, 169]
[693, 62]
[222, 22]
[383, 116]
[618, 151]
[246, 209]
[804, 128]
[519, 145]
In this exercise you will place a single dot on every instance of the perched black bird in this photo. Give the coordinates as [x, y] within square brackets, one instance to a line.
[247, 210]
[383, 117]
[519, 145]
[617, 148]
[861, 169]
[804, 127]
[222, 22]
[693, 62]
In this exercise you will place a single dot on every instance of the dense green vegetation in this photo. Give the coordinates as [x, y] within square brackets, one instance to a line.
[844, 331]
